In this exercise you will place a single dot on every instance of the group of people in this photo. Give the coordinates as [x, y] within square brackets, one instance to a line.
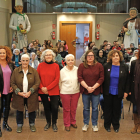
[51, 82]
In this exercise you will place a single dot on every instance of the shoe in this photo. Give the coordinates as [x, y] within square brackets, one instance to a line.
[5, 125]
[136, 124]
[116, 130]
[74, 125]
[54, 127]
[19, 129]
[85, 127]
[102, 117]
[47, 126]
[107, 129]
[0, 133]
[32, 127]
[95, 128]
[67, 129]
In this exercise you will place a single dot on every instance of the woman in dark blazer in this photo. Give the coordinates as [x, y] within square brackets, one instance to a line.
[6, 69]
[115, 87]
[134, 95]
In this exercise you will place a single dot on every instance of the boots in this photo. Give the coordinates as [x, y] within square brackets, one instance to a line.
[5, 116]
[138, 129]
[5, 125]
[0, 132]
[136, 124]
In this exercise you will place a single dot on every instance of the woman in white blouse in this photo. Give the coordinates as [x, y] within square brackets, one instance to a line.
[69, 92]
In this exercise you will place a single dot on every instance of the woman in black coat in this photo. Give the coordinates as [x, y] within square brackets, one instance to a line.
[115, 87]
[6, 69]
[100, 57]
[134, 95]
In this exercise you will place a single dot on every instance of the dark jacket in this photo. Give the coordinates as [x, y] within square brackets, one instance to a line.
[101, 60]
[13, 58]
[11, 66]
[123, 79]
[131, 80]
[17, 85]
[63, 54]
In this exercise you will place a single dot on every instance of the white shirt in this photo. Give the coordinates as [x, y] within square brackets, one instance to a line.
[25, 82]
[33, 64]
[68, 82]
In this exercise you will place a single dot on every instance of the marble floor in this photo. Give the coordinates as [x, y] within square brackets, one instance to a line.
[75, 134]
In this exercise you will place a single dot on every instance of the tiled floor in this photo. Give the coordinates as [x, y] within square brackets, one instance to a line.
[74, 134]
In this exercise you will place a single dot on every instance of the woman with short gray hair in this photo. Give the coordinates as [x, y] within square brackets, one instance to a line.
[33, 62]
[49, 74]
[69, 92]
[16, 57]
[25, 82]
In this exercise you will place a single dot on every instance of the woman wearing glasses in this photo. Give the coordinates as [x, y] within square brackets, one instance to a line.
[49, 74]
[91, 77]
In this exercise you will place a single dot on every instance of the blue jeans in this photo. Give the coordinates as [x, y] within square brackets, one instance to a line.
[86, 111]
[135, 109]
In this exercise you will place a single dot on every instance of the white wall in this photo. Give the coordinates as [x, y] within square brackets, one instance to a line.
[5, 4]
[5, 8]
[80, 32]
[41, 27]
[110, 25]
[78, 17]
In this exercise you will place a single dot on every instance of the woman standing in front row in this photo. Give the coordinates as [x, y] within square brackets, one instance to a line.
[115, 87]
[134, 92]
[49, 74]
[91, 77]
[6, 69]
[69, 92]
[25, 82]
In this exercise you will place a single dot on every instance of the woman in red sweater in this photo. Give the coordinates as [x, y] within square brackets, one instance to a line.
[49, 87]
[91, 77]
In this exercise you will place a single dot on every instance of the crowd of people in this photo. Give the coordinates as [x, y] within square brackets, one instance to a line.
[50, 72]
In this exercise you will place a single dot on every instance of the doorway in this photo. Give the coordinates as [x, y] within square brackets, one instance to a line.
[68, 32]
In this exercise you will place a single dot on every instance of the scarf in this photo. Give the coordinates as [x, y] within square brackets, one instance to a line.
[51, 62]
[126, 22]
[21, 15]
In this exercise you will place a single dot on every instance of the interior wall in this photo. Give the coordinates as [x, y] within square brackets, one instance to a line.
[110, 25]
[5, 9]
[41, 25]
[78, 17]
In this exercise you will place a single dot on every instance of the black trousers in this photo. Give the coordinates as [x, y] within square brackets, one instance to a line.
[5, 101]
[112, 111]
[19, 116]
[50, 107]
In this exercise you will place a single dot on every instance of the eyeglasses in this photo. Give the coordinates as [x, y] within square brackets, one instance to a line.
[90, 55]
[48, 55]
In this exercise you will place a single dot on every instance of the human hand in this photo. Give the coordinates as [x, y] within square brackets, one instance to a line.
[27, 95]
[90, 89]
[129, 93]
[44, 90]
[25, 32]
[125, 29]
[21, 94]
[139, 36]
[21, 26]
[10, 90]
[125, 95]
